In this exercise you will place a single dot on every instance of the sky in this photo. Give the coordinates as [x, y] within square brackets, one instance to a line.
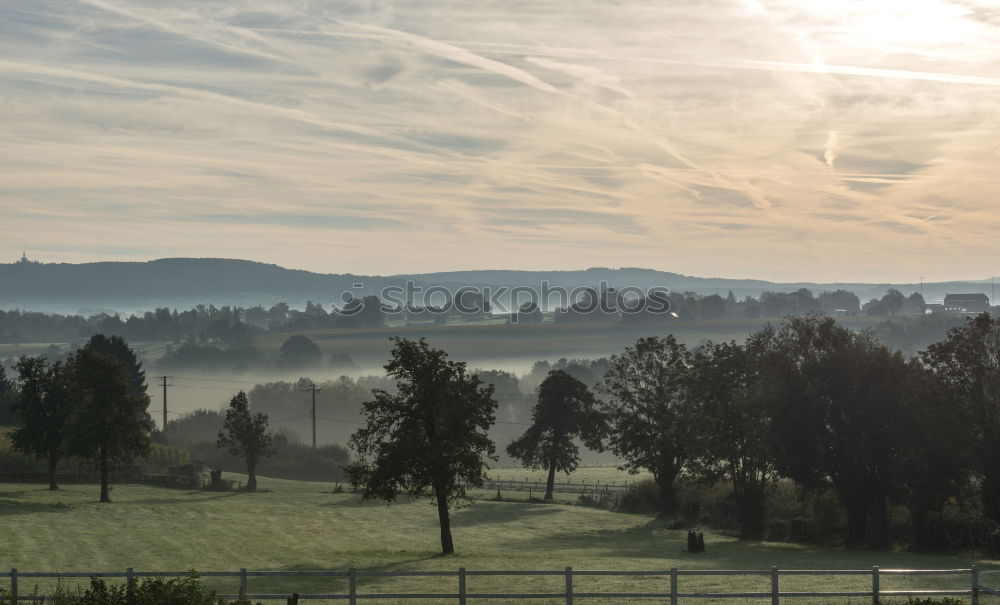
[786, 140]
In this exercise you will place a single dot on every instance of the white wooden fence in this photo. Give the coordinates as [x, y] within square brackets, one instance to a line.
[458, 578]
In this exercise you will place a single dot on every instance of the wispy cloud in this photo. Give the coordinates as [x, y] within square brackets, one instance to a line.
[771, 138]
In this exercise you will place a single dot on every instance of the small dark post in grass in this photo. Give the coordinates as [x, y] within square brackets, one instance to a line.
[13, 585]
[294, 599]
[569, 586]
[352, 586]
[461, 586]
[243, 582]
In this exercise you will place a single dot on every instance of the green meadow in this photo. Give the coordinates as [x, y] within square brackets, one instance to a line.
[289, 525]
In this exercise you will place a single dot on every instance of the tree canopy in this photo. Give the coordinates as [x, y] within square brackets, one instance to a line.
[246, 435]
[967, 365]
[42, 411]
[648, 411]
[735, 395]
[109, 423]
[566, 410]
[429, 438]
[299, 350]
[117, 348]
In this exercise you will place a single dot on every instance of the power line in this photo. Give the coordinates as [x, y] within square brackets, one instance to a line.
[199, 378]
[288, 419]
[327, 418]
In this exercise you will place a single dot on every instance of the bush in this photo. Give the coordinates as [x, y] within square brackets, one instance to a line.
[149, 591]
[641, 497]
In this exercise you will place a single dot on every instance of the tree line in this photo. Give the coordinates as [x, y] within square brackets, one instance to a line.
[807, 401]
[234, 327]
[93, 406]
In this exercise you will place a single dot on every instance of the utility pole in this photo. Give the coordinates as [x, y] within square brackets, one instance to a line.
[165, 385]
[312, 388]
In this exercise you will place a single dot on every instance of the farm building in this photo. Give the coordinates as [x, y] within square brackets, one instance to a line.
[966, 303]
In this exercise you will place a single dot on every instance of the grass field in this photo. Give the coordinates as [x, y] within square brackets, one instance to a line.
[303, 526]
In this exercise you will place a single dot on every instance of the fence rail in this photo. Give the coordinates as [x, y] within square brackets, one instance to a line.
[515, 485]
[461, 594]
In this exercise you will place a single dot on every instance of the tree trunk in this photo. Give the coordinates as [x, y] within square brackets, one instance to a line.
[857, 519]
[104, 475]
[877, 536]
[991, 490]
[550, 482]
[753, 515]
[252, 478]
[441, 494]
[53, 461]
[918, 526]
[668, 495]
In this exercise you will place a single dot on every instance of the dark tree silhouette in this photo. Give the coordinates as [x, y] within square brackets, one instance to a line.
[245, 435]
[967, 363]
[109, 423]
[299, 350]
[42, 411]
[843, 419]
[429, 438]
[116, 347]
[735, 392]
[8, 398]
[893, 300]
[648, 412]
[565, 411]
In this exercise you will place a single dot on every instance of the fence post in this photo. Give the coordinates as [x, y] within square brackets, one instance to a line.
[461, 586]
[975, 584]
[569, 586]
[774, 586]
[13, 585]
[352, 586]
[875, 588]
[673, 586]
[243, 581]
[129, 578]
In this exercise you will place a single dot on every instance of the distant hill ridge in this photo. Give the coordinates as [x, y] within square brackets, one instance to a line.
[184, 282]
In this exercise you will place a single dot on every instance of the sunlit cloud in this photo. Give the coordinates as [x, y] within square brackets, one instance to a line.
[777, 139]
